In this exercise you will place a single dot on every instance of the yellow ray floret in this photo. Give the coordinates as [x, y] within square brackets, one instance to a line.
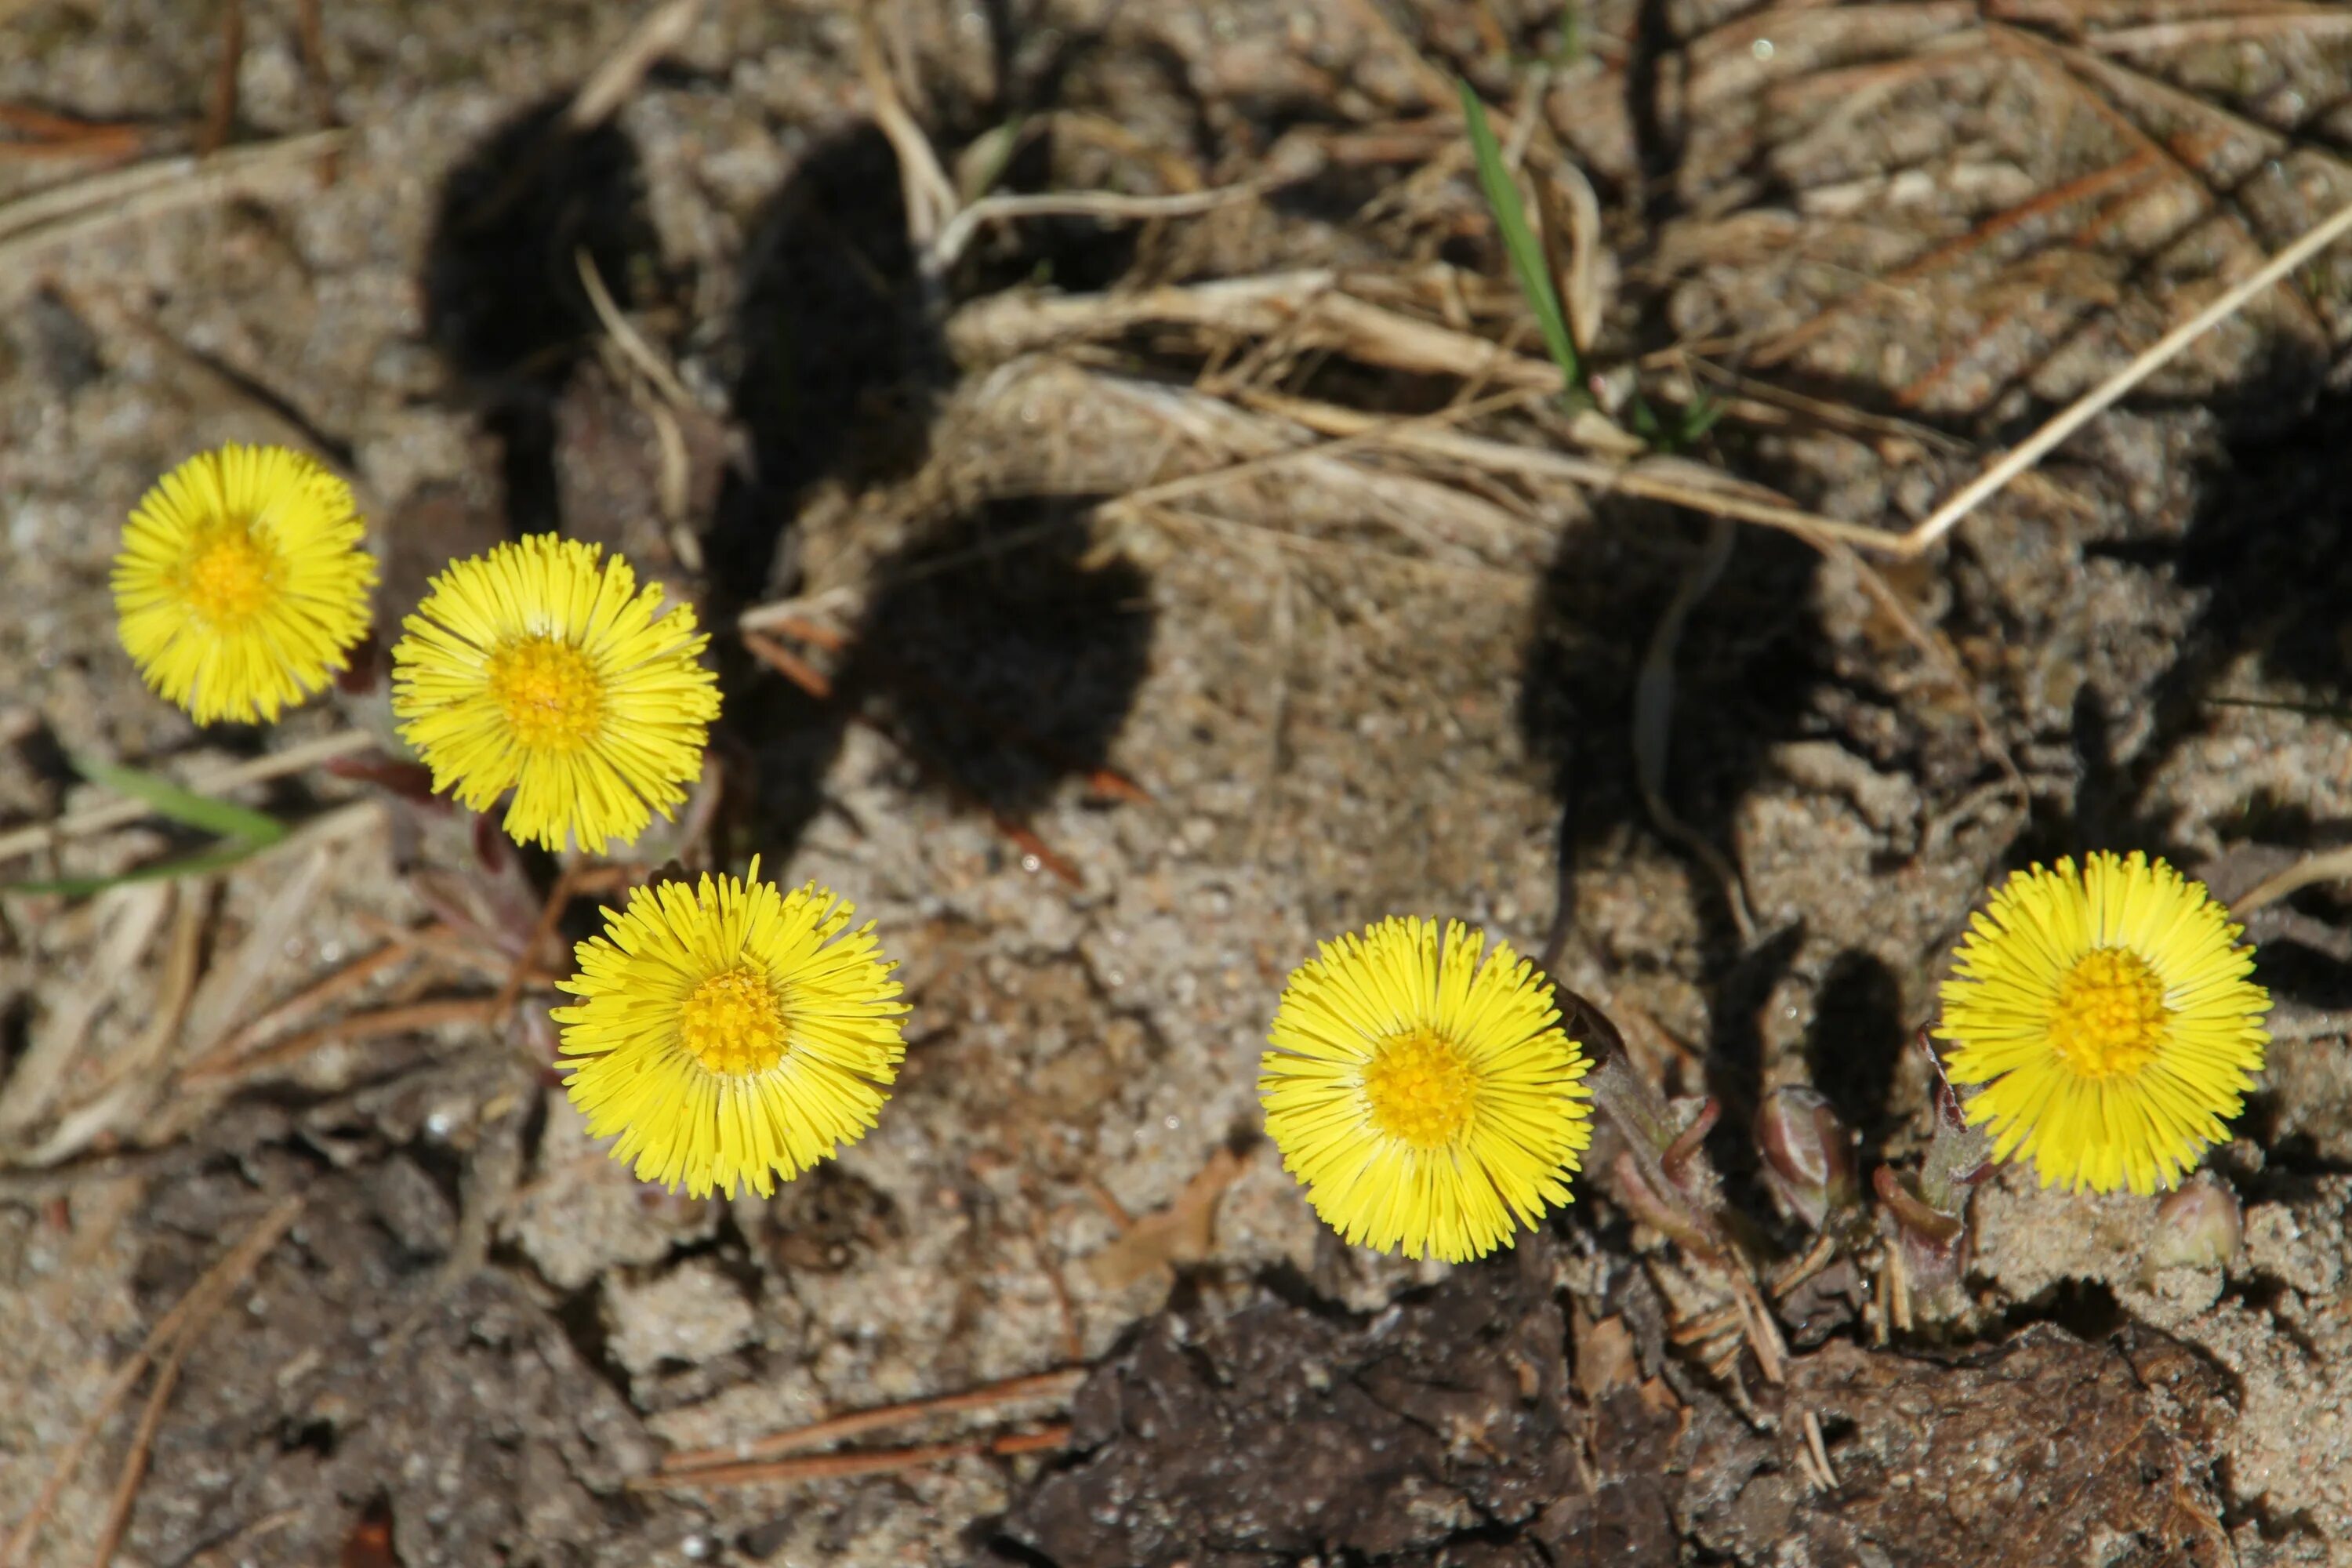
[540, 667]
[1432, 1105]
[2109, 1014]
[241, 587]
[731, 1033]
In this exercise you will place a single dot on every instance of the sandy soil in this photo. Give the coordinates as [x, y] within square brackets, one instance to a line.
[1104, 773]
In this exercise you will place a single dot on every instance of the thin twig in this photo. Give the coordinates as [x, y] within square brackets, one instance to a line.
[1024, 839]
[789, 665]
[863, 1462]
[220, 114]
[121, 813]
[1054, 1385]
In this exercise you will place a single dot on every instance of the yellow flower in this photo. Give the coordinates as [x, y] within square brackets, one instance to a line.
[1430, 1104]
[537, 667]
[241, 587]
[727, 1035]
[2108, 1012]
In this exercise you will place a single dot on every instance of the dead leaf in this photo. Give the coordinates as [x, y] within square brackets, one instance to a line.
[1184, 1232]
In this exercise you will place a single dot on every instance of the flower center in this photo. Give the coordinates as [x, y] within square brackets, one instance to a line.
[1421, 1088]
[550, 692]
[2110, 1016]
[229, 576]
[733, 1023]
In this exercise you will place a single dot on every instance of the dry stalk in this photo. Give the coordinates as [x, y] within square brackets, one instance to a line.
[304, 1003]
[1056, 1386]
[172, 1336]
[406, 1018]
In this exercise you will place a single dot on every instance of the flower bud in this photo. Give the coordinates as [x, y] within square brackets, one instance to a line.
[1808, 1154]
[2197, 1228]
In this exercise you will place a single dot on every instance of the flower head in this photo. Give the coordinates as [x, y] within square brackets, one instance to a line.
[2108, 1012]
[731, 1033]
[241, 587]
[541, 666]
[1430, 1103]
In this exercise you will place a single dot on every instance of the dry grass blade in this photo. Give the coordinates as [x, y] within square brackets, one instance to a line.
[1374, 435]
[2328, 865]
[172, 1336]
[1817, 1451]
[618, 76]
[625, 334]
[960, 229]
[144, 190]
[129, 917]
[1731, 499]
[406, 1018]
[2217, 30]
[929, 194]
[1044, 1385]
[2083, 409]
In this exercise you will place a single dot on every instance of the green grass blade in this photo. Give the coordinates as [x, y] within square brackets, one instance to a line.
[195, 865]
[201, 812]
[1519, 243]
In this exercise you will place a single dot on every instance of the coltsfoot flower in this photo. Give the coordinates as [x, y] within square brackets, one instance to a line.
[1432, 1105]
[540, 667]
[730, 1034]
[241, 587]
[2108, 1012]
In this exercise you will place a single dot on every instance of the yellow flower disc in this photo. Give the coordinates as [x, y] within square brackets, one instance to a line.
[2109, 1014]
[241, 587]
[1432, 1105]
[540, 667]
[730, 1034]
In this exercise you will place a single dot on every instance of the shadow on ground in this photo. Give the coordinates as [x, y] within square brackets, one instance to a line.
[1751, 653]
[996, 654]
[503, 298]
